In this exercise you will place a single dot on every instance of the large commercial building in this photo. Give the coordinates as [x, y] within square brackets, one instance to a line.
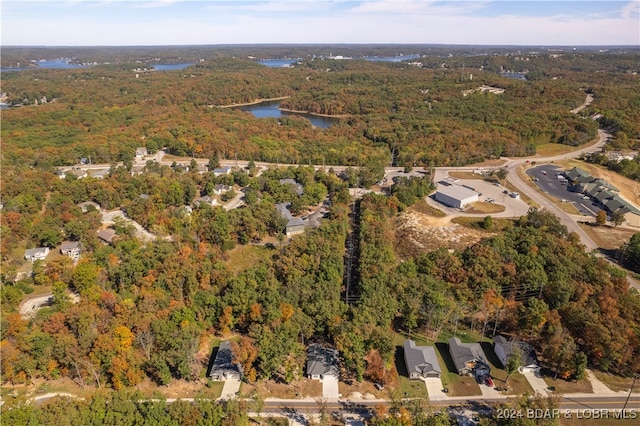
[455, 195]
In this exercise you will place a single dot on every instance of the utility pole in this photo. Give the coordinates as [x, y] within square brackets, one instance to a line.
[635, 376]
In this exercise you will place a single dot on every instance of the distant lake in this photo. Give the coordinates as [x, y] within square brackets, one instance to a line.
[60, 63]
[278, 63]
[270, 109]
[514, 75]
[171, 67]
[391, 58]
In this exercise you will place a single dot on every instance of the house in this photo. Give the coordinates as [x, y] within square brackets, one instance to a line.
[141, 152]
[100, 174]
[61, 174]
[39, 253]
[107, 235]
[220, 189]
[71, 249]
[421, 361]
[77, 172]
[87, 205]
[322, 363]
[223, 367]
[465, 356]
[295, 186]
[503, 349]
[455, 196]
[295, 225]
[222, 171]
[205, 200]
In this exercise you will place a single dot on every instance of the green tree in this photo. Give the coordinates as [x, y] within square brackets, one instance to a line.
[513, 362]
[601, 218]
[617, 218]
[631, 252]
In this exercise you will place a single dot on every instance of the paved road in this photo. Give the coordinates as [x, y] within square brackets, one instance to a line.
[514, 178]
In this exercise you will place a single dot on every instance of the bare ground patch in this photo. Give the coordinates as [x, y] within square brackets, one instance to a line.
[303, 388]
[420, 233]
[608, 237]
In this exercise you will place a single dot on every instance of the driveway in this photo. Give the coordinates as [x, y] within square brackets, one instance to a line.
[434, 388]
[108, 218]
[330, 390]
[537, 383]
[230, 389]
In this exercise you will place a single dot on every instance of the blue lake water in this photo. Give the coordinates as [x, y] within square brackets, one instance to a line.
[278, 63]
[171, 67]
[391, 58]
[270, 109]
[514, 75]
[60, 63]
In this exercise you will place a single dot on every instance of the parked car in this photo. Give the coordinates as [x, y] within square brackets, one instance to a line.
[489, 382]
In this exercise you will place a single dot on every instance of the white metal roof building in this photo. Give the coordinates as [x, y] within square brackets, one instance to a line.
[455, 195]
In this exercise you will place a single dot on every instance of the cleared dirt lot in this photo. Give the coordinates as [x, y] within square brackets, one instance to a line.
[418, 232]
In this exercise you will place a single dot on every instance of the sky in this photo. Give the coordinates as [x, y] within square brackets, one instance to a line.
[201, 22]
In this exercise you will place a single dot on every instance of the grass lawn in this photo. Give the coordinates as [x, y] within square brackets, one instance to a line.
[412, 388]
[616, 383]
[564, 386]
[242, 257]
[482, 207]
[469, 175]
[553, 149]
[424, 208]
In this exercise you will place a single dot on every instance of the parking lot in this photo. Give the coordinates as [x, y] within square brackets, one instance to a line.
[546, 178]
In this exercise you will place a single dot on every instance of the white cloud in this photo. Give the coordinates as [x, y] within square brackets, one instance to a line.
[631, 10]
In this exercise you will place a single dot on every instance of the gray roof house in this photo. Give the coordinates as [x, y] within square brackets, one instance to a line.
[322, 363]
[107, 235]
[465, 355]
[421, 361]
[71, 249]
[220, 188]
[222, 171]
[223, 367]
[206, 199]
[295, 186]
[503, 348]
[39, 253]
[295, 225]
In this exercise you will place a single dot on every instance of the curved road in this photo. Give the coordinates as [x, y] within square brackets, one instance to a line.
[523, 187]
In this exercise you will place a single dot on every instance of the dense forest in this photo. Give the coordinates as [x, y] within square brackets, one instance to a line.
[146, 309]
[400, 113]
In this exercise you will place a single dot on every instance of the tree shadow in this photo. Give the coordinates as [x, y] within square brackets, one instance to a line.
[400, 363]
[212, 359]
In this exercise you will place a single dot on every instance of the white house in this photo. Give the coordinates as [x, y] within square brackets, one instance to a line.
[141, 152]
[39, 253]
